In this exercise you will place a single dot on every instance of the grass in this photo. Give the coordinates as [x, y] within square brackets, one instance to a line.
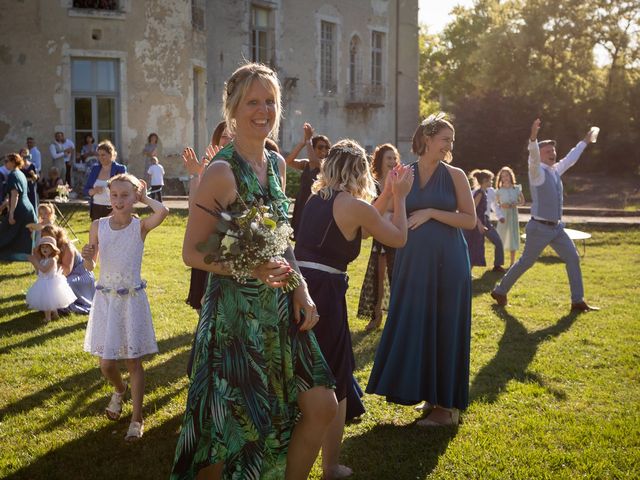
[553, 395]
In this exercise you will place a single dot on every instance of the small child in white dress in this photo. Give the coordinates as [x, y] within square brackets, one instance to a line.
[51, 291]
[120, 325]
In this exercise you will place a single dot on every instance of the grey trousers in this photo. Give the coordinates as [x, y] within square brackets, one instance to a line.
[538, 237]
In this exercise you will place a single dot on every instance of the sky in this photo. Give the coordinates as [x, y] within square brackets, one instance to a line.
[435, 13]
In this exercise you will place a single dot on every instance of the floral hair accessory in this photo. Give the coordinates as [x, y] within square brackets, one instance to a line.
[350, 149]
[432, 121]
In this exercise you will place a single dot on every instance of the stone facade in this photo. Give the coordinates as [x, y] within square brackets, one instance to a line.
[349, 67]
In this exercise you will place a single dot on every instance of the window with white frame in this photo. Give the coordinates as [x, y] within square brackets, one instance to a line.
[328, 74]
[95, 91]
[377, 48]
[262, 41]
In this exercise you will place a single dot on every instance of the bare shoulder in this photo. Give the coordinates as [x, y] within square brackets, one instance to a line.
[456, 173]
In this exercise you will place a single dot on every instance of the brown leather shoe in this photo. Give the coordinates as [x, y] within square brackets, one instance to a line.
[583, 307]
[499, 298]
[499, 269]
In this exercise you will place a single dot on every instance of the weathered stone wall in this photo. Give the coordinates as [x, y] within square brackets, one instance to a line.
[172, 74]
[156, 47]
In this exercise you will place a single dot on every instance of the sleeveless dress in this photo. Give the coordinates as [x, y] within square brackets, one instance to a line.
[424, 349]
[120, 323]
[509, 231]
[249, 362]
[321, 241]
[83, 284]
[16, 243]
[307, 178]
[50, 292]
[369, 289]
[475, 239]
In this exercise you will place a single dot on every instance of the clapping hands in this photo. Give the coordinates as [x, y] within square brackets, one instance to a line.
[195, 166]
[400, 180]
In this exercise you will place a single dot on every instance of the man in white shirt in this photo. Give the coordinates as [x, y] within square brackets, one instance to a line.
[546, 226]
[36, 156]
[156, 173]
[62, 153]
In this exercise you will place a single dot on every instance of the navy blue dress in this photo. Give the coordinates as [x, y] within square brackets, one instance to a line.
[424, 348]
[321, 241]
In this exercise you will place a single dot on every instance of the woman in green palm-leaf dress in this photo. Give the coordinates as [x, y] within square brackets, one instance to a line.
[261, 394]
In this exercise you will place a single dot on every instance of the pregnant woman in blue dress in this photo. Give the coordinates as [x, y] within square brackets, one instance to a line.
[424, 350]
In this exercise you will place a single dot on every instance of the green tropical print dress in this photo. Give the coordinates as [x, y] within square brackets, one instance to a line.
[249, 363]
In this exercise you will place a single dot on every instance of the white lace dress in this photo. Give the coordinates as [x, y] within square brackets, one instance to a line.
[120, 323]
[51, 291]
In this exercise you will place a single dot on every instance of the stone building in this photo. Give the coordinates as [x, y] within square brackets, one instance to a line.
[121, 69]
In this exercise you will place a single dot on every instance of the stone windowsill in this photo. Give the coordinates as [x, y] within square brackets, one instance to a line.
[92, 13]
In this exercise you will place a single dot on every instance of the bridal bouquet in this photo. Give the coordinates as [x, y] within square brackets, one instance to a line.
[245, 239]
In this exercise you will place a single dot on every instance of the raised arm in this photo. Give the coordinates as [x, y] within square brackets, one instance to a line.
[160, 212]
[292, 161]
[574, 154]
[536, 175]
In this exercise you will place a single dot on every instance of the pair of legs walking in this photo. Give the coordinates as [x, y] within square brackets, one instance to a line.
[539, 236]
[111, 372]
[319, 409]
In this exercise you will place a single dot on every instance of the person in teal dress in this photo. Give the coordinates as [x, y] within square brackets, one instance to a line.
[509, 196]
[423, 355]
[261, 394]
[16, 242]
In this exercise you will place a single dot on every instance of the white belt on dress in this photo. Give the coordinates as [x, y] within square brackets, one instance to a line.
[320, 266]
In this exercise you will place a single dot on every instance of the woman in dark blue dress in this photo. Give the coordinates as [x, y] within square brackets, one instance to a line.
[328, 240]
[15, 239]
[424, 350]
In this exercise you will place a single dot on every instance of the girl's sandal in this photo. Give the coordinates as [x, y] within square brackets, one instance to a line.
[136, 429]
[114, 409]
[453, 420]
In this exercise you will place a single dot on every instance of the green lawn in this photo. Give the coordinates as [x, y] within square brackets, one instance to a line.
[553, 395]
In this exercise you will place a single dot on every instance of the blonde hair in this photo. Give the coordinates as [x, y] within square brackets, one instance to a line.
[49, 208]
[125, 177]
[430, 128]
[478, 176]
[237, 86]
[499, 175]
[108, 147]
[346, 169]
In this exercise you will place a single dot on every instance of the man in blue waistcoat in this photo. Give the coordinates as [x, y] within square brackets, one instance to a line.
[546, 227]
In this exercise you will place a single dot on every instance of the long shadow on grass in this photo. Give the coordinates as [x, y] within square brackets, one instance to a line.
[10, 276]
[516, 350]
[83, 385]
[23, 321]
[103, 454]
[485, 283]
[45, 337]
[389, 451]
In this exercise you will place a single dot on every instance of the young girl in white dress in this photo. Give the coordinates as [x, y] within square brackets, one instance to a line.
[120, 325]
[51, 291]
[509, 196]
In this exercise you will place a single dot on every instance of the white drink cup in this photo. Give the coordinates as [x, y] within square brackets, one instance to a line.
[594, 134]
